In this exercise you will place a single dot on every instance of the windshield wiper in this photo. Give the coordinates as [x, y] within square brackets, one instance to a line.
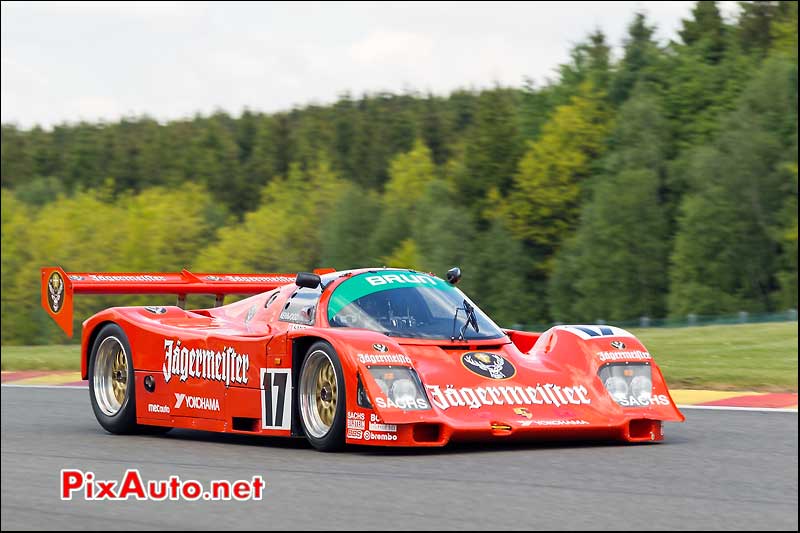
[472, 320]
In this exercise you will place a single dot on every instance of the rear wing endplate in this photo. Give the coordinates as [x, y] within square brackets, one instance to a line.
[58, 286]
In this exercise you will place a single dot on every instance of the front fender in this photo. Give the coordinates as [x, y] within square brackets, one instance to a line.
[587, 349]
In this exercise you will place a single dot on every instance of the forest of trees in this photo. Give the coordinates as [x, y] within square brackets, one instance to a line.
[658, 183]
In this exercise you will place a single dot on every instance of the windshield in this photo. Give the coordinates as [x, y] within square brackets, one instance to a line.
[402, 303]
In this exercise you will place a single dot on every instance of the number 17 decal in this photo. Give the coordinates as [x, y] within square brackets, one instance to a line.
[276, 398]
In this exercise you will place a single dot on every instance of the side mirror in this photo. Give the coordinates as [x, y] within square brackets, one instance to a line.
[308, 280]
[453, 275]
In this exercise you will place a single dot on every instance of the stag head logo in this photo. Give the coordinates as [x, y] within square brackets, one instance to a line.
[55, 292]
[488, 365]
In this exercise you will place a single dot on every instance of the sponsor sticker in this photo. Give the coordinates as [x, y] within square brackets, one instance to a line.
[290, 316]
[357, 424]
[354, 434]
[380, 348]
[619, 345]
[135, 277]
[259, 279]
[196, 402]
[384, 358]
[643, 401]
[523, 411]
[156, 408]
[402, 279]
[411, 403]
[630, 354]
[388, 428]
[561, 422]
[368, 435]
[513, 396]
[199, 363]
[488, 365]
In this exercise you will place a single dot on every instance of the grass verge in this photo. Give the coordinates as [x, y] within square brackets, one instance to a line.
[759, 357]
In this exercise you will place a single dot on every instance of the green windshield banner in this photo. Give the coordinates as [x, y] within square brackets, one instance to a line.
[372, 282]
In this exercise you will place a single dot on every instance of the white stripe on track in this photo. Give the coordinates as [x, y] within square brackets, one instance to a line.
[732, 408]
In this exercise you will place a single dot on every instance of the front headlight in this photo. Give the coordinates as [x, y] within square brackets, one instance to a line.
[629, 384]
[401, 387]
[617, 388]
[383, 385]
[404, 391]
[641, 388]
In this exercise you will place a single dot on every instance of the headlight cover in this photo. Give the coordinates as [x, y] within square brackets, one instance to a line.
[629, 384]
[402, 387]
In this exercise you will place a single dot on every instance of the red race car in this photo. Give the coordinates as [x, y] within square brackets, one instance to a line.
[385, 357]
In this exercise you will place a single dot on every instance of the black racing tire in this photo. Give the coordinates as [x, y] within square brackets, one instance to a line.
[323, 433]
[116, 412]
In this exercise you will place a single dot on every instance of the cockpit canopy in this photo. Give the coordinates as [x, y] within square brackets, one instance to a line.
[403, 303]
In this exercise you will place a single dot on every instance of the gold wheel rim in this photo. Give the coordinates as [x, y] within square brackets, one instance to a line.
[325, 396]
[110, 377]
[119, 373]
[319, 394]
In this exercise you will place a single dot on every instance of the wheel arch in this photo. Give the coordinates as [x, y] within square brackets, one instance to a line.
[299, 349]
[90, 334]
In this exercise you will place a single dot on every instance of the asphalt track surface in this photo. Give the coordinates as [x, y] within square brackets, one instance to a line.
[719, 470]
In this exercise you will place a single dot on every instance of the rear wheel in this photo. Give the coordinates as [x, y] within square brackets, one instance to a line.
[111, 383]
[321, 398]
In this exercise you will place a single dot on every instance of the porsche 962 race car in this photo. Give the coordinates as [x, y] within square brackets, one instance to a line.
[378, 356]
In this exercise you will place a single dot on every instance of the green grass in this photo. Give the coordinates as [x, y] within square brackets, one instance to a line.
[759, 357]
[55, 357]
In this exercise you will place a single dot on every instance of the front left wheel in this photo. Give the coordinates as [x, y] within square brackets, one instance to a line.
[321, 398]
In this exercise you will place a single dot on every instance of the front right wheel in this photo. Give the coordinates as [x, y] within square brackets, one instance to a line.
[321, 398]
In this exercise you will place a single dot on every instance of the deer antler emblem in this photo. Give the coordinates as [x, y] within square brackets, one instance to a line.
[55, 287]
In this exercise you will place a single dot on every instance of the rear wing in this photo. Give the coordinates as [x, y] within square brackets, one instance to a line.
[58, 287]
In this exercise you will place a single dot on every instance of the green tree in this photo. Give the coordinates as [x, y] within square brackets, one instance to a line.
[284, 233]
[495, 275]
[442, 229]
[543, 204]
[783, 30]
[409, 175]
[493, 148]
[705, 30]
[755, 24]
[640, 62]
[16, 165]
[215, 163]
[347, 227]
[615, 267]
[728, 247]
